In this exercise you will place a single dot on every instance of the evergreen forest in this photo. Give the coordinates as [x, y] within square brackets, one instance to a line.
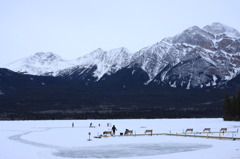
[231, 107]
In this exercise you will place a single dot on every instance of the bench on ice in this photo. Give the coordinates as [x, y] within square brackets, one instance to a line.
[223, 130]
[189, 129]
[107, 132]
[207, 129]
[128, 132]
[149, 131]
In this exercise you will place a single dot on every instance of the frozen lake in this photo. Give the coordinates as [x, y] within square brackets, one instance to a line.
[130, 150]
[58, 139]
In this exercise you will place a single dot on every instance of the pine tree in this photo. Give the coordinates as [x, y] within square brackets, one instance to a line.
[238, 106]
[226, 111]
[231, 107]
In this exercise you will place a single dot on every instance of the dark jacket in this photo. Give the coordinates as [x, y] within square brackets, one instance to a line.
[114, 128]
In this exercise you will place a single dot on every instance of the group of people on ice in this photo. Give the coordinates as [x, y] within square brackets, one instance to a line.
[114, 129]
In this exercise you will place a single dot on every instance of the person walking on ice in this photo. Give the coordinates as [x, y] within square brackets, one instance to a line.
[114, 129]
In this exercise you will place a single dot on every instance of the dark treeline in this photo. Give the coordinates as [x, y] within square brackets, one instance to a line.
[231, 107]
[110, 115]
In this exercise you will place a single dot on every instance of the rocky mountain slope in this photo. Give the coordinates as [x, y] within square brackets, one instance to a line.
[98, 63]
[182, 76]
[197, 57]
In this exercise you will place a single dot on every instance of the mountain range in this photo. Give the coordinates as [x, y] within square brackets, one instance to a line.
[198, 60]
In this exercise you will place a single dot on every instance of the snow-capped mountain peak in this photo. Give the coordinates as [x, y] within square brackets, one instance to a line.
[105, 62]
[94, 54]
[39, 64]
[43, 58]
[195, 36]
[197, 57]
[218, 29]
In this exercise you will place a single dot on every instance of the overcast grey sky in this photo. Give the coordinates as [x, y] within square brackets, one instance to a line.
[72, 28]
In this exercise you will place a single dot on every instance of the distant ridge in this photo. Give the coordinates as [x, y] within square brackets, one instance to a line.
[195, 58]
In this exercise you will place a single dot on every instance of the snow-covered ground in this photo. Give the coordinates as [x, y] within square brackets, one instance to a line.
[57, 139]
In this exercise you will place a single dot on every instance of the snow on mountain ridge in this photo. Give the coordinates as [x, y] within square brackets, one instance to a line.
[212, 50]
[196, 57]
[40, 64]
[51, 64]
[107, 62]
[195, 36]
[151, 58]
[218, 29]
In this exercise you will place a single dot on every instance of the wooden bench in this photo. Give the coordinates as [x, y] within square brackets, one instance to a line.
[107, 132]
[206, 129]
[223, 130]
[191, 130]
[128, 132]
[149, 131]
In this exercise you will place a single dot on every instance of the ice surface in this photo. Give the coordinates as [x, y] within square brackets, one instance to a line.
[58, 139]
[129, 150]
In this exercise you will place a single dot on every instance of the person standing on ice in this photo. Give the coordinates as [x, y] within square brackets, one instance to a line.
[114, 129]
